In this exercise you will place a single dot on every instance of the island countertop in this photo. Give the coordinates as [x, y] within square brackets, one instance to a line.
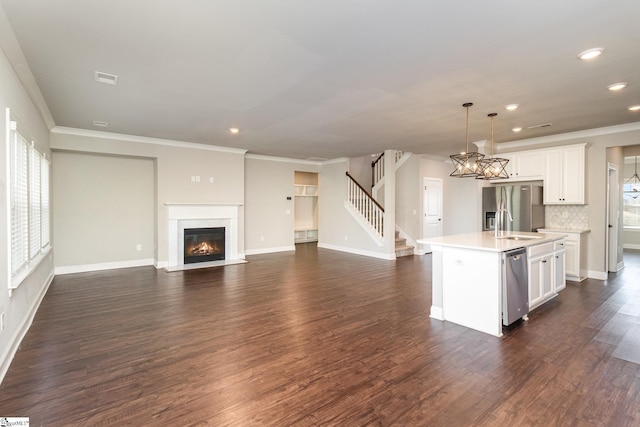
[486, 241]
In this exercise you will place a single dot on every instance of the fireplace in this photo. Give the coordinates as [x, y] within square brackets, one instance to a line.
[204, 244]
[185, 216]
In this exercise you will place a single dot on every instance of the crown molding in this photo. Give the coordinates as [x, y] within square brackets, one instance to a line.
[282, 159]
[61, 130]
[588, 133]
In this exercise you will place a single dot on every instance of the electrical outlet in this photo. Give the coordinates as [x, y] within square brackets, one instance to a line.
[1, 321]
[262, 238]
[211, 179]
[138, 247]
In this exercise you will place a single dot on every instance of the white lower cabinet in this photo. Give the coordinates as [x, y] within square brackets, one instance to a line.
[575, 247]
[546, 272]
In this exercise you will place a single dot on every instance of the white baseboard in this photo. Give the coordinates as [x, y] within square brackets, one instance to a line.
[104, 266]
[357, 251]
[14, 343]
[630, 246]
[269, 250]
[600, 275]
[417, 251]
[436, 313]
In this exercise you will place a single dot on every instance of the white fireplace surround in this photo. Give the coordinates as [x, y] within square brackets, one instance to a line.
[183, 216]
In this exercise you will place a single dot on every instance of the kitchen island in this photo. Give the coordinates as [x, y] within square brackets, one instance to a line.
[467, 275]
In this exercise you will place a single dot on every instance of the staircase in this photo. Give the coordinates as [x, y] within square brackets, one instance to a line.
[402, 249]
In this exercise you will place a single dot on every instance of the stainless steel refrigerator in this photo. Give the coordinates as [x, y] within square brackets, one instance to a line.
[523, 201]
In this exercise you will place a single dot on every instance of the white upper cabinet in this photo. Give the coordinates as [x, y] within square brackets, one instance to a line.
[524, 166]
[564, 175]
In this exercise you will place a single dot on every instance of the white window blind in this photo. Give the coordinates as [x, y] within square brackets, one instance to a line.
[29, 204]
[45, 206]
[34, 203]
[19, 203]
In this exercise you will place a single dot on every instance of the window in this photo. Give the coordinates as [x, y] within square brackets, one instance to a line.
[29, 204]
[631, 212]
[631, 191]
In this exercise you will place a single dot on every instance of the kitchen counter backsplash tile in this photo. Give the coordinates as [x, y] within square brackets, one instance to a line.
[568, 216]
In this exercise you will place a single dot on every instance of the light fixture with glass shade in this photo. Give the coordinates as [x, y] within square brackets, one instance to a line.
[632, 185]
[465, 164]
[492, 167]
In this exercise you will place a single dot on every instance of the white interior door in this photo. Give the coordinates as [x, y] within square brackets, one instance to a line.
[432, 226]
[613, 215]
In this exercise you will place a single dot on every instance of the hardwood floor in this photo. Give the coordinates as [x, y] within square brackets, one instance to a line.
[318, 337]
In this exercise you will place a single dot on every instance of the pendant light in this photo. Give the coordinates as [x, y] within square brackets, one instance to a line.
[633, 183]
[493, 167]
[465, 164]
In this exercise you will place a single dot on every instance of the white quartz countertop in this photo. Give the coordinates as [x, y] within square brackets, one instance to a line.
[563, 230]
[486, 241]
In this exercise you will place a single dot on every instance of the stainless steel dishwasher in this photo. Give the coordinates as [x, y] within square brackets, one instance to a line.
[515, 286]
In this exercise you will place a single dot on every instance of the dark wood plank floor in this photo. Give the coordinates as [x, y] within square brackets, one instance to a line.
[319, 338]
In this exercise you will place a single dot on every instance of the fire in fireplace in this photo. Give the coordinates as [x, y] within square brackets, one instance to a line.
[203, 244]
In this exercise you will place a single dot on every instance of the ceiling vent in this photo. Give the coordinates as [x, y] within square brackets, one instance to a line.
[101, 124]
[110, 79]
[544, 125]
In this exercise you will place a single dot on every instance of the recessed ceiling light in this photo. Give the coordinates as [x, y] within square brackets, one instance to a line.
[101, 124]
[634, 108]
[518, 129]
[591, 53]
[234, 130]
[617, 86]
[511, 107]
[110, 79]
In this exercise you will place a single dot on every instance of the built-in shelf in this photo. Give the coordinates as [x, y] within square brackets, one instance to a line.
[301, 190]
[305, 190]
[308, 235]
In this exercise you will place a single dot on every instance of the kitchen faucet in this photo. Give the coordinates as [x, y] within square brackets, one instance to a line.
[500, 219]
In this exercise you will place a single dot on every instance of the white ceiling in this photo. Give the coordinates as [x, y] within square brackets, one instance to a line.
[331, 78]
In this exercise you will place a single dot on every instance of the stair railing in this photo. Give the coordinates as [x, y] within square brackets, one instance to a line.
[370, 210]
[377, 167]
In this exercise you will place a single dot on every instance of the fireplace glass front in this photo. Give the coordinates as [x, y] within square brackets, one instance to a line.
[204, 244]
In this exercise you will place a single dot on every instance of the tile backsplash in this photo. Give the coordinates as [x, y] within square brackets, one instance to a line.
[567, 216]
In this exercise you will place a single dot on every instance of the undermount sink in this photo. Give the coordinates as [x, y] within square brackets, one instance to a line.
[518, 237]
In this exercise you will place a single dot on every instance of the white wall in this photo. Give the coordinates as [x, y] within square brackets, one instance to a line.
[103, 207]
[360, 169]
[20, 307]
[409, 198]
[220, 172]
[269, 216]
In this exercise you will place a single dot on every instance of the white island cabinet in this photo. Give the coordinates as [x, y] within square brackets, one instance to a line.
[467, 277]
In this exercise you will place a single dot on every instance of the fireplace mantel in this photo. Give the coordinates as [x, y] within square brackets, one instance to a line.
[195, 215]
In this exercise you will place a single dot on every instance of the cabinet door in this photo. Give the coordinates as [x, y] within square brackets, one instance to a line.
[546, 278]
[572, 259]
[559, 279]
[510, 168]
[530, 165]
[573, 175]
[535, 279]
[553, 177]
